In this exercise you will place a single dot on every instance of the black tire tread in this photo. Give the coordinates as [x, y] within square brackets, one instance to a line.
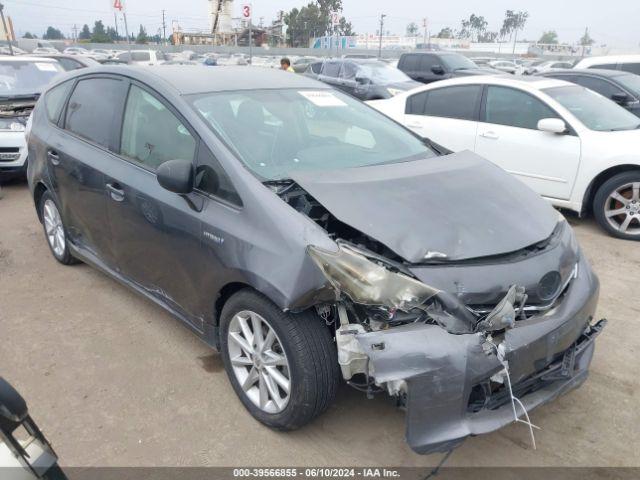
[310, 341]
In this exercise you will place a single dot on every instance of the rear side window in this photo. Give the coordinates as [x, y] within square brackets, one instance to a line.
[631, 67]
[331, 69]
[54, 100]
[140, 56]
[151, 133]
[454, 102]
[606, 66]
[89, 108]
[416, 103]
[514, 108]
[316, 67]
[409, 62]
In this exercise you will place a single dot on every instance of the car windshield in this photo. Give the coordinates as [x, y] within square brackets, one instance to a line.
[458, 62]
[26, 78]
[382, 73]
[631, 82]
[593, 110]
[277, 132]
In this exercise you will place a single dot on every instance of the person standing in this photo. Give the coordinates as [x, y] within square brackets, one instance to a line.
[285, 64]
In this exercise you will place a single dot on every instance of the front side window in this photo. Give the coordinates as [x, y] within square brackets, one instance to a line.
[593, 110]
[458, 62]
[427, 62]
[454, 102]
[54, 100]
[349, 71]
[331, 69]
[88, 106]
[514, 108]
[276, 132]
[151, 133]
[606, 66]
[631, 67]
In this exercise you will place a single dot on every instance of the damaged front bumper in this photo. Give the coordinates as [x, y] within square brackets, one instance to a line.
[447, 378]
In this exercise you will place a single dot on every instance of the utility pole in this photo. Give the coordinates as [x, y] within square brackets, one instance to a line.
[115, 21]
[164, 29]
[381, 32]
[75, 33]
[4, 24]
[126, 31]
[424, 24]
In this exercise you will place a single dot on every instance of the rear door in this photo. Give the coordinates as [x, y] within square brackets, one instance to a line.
[331, 73]
[448, 116]
[77, 155]
[508, 135]
[348, 78]
[156, 233]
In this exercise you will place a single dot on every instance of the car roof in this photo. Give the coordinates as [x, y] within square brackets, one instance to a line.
[530, 82]
[25, 58]
[610, 59]
[193, 79]
[596, 72]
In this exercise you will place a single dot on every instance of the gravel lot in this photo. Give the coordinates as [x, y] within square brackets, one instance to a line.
[115, 381]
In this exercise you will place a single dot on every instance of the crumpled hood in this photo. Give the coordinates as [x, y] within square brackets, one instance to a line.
[459, 205]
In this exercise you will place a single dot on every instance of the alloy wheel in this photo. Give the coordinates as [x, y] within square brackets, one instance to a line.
[54, 228]
[622, 209]
[259, 362]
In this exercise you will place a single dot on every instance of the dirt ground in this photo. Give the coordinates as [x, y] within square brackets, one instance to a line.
[115, 381]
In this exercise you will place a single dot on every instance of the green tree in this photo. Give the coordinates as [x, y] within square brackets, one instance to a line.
[29, 35]
[446, 32]
[85, 33]
[142, 36]
[112, 34]
[53, 34]
[314, 20]
[413, 30]
[549, 37]
[99, 34]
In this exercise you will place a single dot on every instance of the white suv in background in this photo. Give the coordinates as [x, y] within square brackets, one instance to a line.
[573, 146]
[22, 79]
[142, 57]
[627, 63]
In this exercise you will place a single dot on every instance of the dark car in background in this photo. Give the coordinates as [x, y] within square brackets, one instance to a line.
[621, 87]
[311, 239]
[363, 78]
[427, 67]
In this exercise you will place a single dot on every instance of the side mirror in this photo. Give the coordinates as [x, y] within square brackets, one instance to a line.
[176, 176]
[552, 125]
[620, 98]
[363, 80]
[437, 69]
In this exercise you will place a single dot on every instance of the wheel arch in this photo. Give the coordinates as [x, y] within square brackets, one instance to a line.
[38, 192]
[596, 183]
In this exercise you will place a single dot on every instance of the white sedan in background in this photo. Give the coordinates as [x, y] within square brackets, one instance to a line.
[573, 146]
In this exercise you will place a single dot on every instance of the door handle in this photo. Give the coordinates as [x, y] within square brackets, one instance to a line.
[414, 125]
[115, 191]
[490, 135]
[53, 157]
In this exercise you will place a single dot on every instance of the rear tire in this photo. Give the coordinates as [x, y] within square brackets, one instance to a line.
[302, 348]
[54, 230]
[616, 205]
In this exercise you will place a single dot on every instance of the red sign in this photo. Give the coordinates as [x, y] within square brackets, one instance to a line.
[246, 11]
[117, 4]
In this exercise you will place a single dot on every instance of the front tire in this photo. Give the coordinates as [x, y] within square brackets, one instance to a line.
[616, 205]
[54, 230]
[282, 366]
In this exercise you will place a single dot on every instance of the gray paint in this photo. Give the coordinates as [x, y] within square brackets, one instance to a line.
[434, 205]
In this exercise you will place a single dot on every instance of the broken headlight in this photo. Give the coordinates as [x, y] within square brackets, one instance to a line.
[368, 283]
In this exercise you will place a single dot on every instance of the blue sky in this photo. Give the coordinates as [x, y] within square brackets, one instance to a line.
[614, 22]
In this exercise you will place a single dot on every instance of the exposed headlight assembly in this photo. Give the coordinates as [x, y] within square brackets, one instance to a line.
[394, 91]
[11, 125]
[368, 283]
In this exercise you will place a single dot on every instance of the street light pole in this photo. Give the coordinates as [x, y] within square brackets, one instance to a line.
[4, 24]
[381, 31]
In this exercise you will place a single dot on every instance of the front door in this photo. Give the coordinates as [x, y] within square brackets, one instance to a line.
[156, 233]
[509, 137]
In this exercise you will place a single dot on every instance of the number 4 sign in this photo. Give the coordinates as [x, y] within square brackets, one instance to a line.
[246, 10]
[118, 5]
